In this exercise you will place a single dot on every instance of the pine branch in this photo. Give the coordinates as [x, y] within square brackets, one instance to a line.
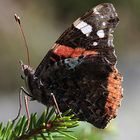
[48, 126]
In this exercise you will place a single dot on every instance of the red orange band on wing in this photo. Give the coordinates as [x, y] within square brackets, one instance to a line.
[62, 50]
[65, 51]
[115, 93]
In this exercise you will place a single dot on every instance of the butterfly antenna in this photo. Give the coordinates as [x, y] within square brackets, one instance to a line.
[17, 18]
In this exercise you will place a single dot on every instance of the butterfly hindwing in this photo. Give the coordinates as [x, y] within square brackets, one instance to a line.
[77, 83]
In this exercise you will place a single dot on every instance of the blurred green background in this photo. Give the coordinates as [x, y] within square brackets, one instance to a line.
[43, 22]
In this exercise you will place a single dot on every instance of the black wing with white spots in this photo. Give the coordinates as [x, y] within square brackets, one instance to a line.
[93, 31]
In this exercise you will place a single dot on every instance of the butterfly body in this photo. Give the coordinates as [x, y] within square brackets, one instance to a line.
[80, 69]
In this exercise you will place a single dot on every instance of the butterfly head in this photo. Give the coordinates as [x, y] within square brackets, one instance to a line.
[27, 70]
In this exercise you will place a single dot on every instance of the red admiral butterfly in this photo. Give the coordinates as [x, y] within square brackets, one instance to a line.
[80, 69]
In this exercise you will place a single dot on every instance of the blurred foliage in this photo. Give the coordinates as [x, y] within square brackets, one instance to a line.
[48, 126]
[64, 10]
[73, 7]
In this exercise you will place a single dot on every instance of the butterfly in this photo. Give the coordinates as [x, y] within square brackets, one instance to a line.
[80, 69]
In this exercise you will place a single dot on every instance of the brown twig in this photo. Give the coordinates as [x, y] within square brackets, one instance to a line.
[36, 131]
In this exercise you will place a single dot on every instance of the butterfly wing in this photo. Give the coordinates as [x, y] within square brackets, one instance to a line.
[87, 85]
[92, 32]
[80, 68]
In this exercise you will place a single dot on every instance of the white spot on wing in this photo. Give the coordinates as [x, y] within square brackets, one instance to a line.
[81, 25]
[87, 29]
[104, 23]
[95, 43]
[101, 33]
[110, 40]
[102, 16]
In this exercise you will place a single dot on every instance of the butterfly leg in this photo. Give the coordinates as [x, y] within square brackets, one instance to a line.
[20, 106]
[26, 92]
[26, 100]
[56, 105]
